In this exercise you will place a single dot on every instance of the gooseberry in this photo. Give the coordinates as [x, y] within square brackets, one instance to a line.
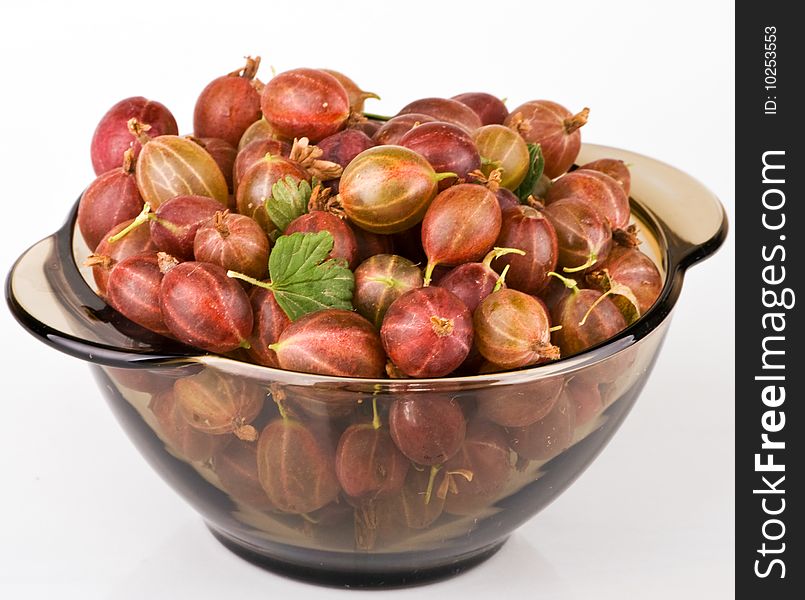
[489, 109]
[448, 148]
[598, 190]
[221, 322]
[427, 332]
[379, 281]
[305, 103]
[445, 109]
[512, 329]
[111, 199]
[331, 342]
[112, 137]
[233, 242]
[228, 105]
[461, 225]
[527, 229]
[501, 148]
[554, 128]
[387, 189]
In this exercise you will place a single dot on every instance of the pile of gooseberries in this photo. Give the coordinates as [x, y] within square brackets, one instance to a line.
[293, 230]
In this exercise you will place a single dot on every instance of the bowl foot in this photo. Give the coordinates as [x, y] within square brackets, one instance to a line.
[367, 571]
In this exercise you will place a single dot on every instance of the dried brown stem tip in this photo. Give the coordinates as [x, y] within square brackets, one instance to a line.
[249, 70]
[319, 198]
[99, 260]
[449, 483]
[441, 326]
[128, 161]
[577, 120]
[519, 124]
[219, 222]
[627, 237]
[535, 203]
[357, 119]
[138, 130]
[247, 433]
[334, 206]
[549, 351]
[393, 372]
[309, 155]
[491, 181]
[166, 262]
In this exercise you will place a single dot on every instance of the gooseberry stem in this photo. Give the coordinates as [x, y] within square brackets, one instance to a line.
[465, 473]
[501, 280]
[428, 273]
[554, 328]
[449, 484]
[591, 260]
[498, 252]
[488, 162]
[375, 414]
[376, 117]
[445, 175]
[145, 215]
[431, 479]
[308, 518]
[569, 283]
[279, 399]
[593, 305]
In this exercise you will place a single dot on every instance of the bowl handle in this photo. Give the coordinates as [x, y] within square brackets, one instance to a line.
[692, 218]
[50, 298]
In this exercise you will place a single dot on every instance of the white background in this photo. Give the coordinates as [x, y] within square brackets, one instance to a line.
[83, 516]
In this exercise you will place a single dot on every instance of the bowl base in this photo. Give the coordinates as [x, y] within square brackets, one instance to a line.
[387, 576]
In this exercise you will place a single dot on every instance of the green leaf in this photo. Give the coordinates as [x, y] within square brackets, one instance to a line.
[288, 201]
[304, 280]
[535, 167]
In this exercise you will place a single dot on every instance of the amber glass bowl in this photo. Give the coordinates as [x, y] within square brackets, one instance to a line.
[283, 509]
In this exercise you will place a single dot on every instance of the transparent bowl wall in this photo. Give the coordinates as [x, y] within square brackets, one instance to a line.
[572, 408]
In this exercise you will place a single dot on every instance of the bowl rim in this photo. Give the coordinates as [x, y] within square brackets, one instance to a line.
[678, 255]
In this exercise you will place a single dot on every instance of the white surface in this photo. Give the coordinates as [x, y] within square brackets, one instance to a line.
[83, 516]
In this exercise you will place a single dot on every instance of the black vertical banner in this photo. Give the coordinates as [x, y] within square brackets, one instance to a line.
[770, 266]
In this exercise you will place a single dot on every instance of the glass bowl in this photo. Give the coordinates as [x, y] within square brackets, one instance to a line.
[276, 501]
